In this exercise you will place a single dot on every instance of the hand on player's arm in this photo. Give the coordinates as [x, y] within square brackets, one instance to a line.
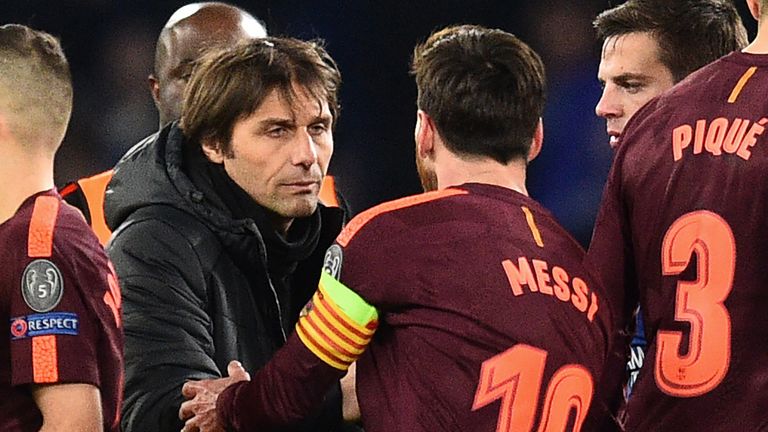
[69, 407]
[199, 410]
[349, 407]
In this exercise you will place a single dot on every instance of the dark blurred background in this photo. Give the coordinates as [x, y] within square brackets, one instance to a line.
[110, 44]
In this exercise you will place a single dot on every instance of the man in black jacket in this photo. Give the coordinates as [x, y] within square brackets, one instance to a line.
[219, 236]
[191, 30]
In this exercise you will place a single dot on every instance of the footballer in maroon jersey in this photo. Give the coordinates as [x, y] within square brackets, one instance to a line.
[480, 291]
[486, 320]
[61, 304]
[681, 228]
[472, 302]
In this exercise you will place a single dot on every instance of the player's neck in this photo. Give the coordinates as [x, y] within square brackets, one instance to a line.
[760, 44]
[455, 171]
[22, 175]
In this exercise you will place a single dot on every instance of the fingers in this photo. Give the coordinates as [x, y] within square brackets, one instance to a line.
[237, 372]
[190, 389]
[186, 411]
[190, 426]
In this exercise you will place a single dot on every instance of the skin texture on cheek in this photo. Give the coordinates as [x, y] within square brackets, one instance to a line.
[632, 75]
[280, 153]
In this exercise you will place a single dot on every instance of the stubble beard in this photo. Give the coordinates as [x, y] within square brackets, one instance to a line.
[427, 176]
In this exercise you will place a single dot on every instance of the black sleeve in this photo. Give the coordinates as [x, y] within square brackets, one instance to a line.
[168, 336]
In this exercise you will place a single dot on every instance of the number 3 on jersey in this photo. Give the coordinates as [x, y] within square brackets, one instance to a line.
[699, 303]
[515, 376]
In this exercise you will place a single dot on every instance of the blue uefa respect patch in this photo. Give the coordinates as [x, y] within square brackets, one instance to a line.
[53, 323]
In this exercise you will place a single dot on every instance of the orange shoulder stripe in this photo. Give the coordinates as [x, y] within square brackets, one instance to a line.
[40, 238]
[363, 218]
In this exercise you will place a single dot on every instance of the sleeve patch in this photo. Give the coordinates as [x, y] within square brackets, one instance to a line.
[42, 285]
[54, 323]
[332, 262]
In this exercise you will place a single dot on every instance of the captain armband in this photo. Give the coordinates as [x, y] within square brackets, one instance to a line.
[337, 325]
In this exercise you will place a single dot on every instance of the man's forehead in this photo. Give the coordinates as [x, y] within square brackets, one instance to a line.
[297, 102]
[639, 44]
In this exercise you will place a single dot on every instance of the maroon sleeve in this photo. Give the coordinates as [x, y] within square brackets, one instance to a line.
[611, 260]
[282, 393]
[54, 333]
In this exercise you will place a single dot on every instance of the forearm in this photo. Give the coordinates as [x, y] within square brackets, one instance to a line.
[328, 339]
[283, 393]
[69, 407]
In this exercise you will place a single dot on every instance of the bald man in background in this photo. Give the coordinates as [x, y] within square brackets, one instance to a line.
[189, 32]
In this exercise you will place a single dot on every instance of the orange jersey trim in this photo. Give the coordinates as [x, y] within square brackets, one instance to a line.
[95, 188]
[363, 218]
[68, 189]
[40, 237]
[740, 85]
[45, 359]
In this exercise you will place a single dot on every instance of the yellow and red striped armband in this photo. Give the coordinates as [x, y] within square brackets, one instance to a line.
[338, 324]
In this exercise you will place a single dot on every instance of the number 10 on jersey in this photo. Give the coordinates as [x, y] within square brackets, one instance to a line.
[515, 376]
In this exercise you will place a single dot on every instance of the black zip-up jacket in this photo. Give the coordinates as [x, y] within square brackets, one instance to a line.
[195, 287]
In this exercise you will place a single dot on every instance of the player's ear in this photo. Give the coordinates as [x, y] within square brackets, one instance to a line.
[754, 8]
[424, 134]
[536, 141]
[154, 88]
[212, 150]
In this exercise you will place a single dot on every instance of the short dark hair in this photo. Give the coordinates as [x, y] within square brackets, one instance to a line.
[230, 84]
[484, 88]
[690, 33]
[35, 85]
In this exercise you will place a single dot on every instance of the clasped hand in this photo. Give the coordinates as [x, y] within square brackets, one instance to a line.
[199, 410]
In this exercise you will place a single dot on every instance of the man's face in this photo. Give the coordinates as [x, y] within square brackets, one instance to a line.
[631, 74]
[280, 154]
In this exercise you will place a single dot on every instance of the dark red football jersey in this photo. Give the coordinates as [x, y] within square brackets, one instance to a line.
[60, 303]
[682, 228]
[488, 321]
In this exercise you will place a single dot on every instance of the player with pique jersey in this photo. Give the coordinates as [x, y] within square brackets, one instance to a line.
[647, 47]
[471, 300]
[682, 229]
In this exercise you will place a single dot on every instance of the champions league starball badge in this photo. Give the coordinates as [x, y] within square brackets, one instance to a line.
[332, 261]
[42, 285]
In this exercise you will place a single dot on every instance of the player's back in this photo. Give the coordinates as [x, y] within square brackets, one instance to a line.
[693, 182]
[488, 318]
